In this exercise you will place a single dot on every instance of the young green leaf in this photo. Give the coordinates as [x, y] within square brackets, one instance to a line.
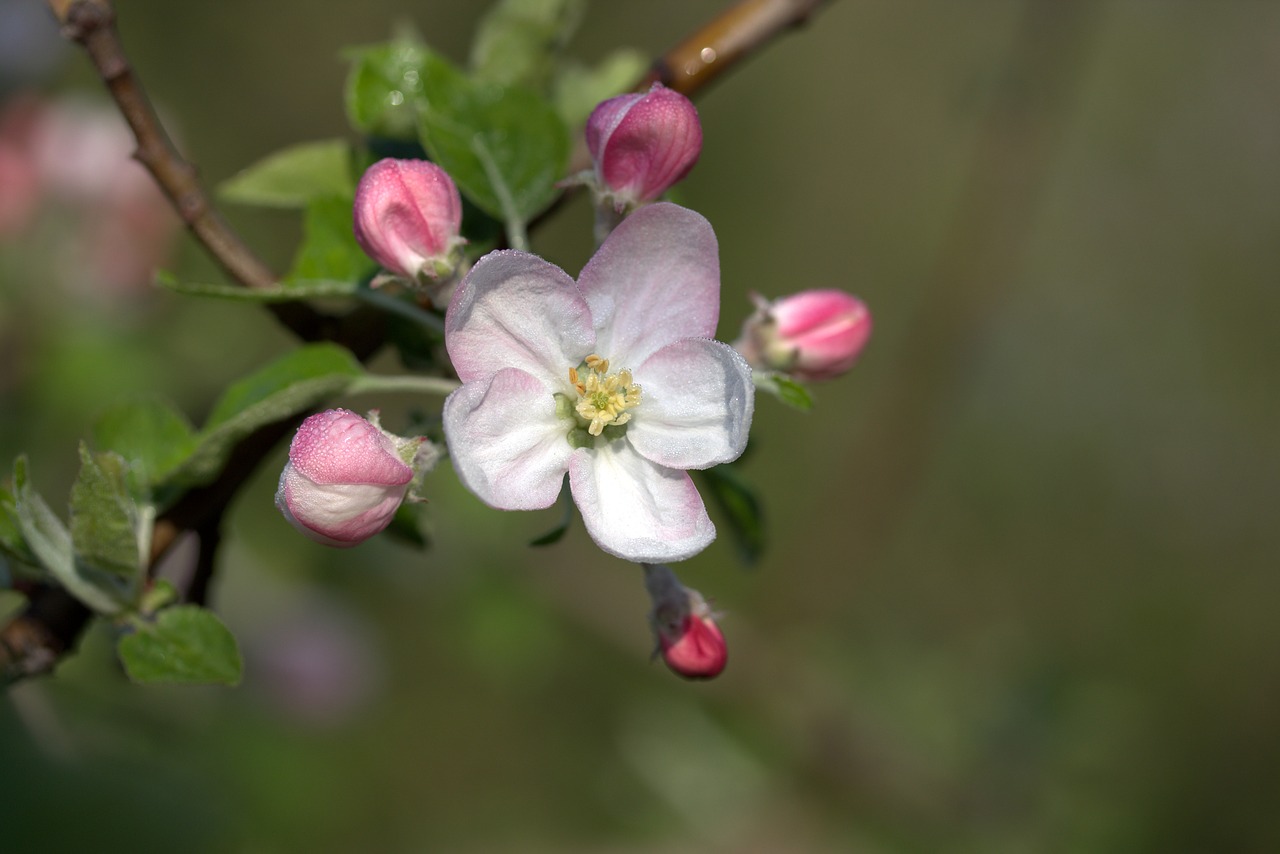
[329, 250]
[294, 176]
[50, 543]
[741, 508]
[383, 88]
[520, 41]
[150, 435]
[108, 529]
[577, 89]
[12, 542]
[286, 387]
[504, 146]
[185, 645]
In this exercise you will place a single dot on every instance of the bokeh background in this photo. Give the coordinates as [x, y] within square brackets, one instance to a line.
[1021, 582]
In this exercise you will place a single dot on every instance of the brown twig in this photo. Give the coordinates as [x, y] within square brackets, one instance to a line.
[92, 24]
[33, 642]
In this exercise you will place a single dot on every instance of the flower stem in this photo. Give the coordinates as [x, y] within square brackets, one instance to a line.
[371, 383]
[412, 312]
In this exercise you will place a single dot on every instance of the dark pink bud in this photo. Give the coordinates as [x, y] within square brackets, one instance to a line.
[344, 479]
[684, 627]
[407, 217]
[812, 335]
[643, 144]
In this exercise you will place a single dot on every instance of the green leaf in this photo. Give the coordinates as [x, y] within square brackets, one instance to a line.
[108, 529]
[406, 526]
[186, 645]
[784, 388]
[50, 543]
[294, 176]
[578, 89]
[519, 41]
[384, 86]
[504, 145]
[329, 250]
[741, 508]
[12, 542]
[290, 385]
[152, 436]
[289, 291]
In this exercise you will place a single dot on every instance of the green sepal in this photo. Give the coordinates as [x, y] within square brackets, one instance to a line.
[504, 146]
[520, 41]
[290, 385]
[740, 507]
[557, 533]
[294, 176]
[182, 645]
[784, 388]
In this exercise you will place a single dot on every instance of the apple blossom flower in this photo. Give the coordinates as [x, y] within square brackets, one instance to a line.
[642, 144]
[684, 628]
[811, 335]
[407, 217]
[613, 379]
[345, 478]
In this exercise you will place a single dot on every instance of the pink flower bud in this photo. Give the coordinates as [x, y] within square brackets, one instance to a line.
[407, 217]
[812, 335]
[643, 144]
[684, 627]
[344, 479]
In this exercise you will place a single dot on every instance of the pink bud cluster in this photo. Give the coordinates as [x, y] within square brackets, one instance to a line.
[344, 479]
[407, 218]
[684, 626]
[642, 144]
[811, 335]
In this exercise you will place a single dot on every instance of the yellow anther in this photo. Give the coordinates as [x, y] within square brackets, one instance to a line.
[603, 398]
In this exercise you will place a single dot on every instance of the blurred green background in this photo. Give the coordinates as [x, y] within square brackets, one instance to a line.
[1020, 587]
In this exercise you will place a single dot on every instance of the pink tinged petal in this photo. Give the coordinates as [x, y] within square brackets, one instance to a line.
[514, 310]
[654, 281]
[340, 447]
[696, 405]
[338, 514]
[699, 652]
[636, 510]
[654, 145]
[604, 119]
[506, 442]
[406, 214]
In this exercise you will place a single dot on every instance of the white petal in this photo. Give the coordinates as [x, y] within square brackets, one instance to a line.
[696, 403]
[506, 442]
[514, 310]
[655, 280]
[637, 510]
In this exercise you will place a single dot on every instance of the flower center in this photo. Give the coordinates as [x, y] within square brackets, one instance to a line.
[603, 398]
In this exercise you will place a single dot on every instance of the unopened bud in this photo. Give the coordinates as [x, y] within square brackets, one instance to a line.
[407, 217]
[812, 335]
[642, 144]
[684, 627]
[344, 479]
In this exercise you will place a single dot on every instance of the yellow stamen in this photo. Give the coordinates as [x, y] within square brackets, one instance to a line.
[604, 397]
